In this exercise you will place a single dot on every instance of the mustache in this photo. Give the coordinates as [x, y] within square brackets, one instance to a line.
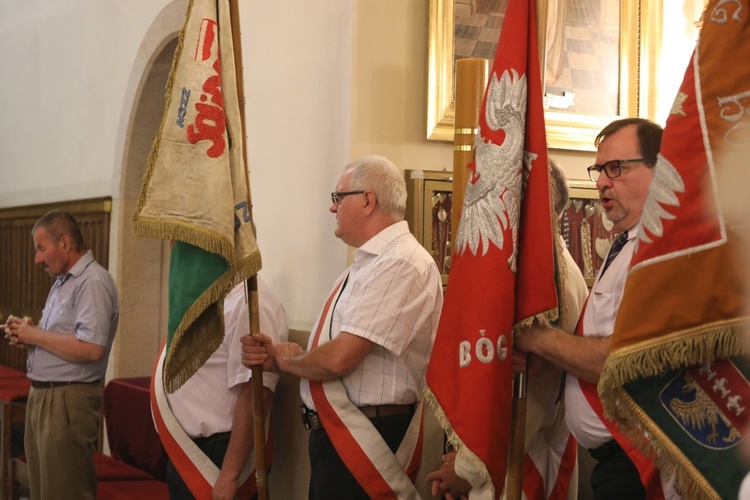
[608, 193]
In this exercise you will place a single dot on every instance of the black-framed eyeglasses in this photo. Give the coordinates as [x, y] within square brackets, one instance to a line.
[613, 168]
[338, 197]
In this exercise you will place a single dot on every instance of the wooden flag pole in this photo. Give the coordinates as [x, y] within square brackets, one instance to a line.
[514, 487]
[518, 416]
[259, 413]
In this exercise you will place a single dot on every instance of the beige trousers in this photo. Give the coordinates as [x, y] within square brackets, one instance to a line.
[60, 441]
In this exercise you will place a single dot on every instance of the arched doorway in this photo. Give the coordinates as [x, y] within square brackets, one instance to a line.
[140, 265]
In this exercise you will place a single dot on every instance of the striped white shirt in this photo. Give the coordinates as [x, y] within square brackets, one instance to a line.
[392, 297]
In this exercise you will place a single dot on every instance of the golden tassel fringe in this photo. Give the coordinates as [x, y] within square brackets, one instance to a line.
[649, 438]
[650, 358]
[177, 376]
[453, 438]
[668, 352]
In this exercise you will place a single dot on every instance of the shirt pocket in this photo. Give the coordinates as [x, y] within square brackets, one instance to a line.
[604, 307]
[62, 317]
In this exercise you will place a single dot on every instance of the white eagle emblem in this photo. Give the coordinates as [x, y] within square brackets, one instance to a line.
[663, 191]
[493, 194]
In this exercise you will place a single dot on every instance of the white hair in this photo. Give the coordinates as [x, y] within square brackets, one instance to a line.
[379, 175]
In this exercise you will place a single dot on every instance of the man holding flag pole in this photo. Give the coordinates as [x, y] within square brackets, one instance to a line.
[676, 377]
[673, 375]
[362, 374]
[549, 464]
[623, 171]
[215, 406]
[196, 193]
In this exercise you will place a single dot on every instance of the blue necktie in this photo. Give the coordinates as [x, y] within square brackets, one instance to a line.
[614, 250]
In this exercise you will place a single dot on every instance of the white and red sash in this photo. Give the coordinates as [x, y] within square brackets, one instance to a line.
[197, 470]
[650, 476]
[549, 464]
[367, 456]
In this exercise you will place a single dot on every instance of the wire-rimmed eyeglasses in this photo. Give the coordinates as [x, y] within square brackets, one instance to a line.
[613, 168]
[338, 197]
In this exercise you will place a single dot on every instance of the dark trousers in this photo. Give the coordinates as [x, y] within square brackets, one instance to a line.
[329, 477]
[215, 447]
[615, 476]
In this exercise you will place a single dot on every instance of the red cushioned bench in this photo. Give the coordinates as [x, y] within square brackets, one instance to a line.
[14, 391]
[142, 490]
[116, 480]
[137, 466]
[8, 372]
[130, 428]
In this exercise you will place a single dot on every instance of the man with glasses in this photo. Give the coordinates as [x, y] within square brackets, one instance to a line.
[363, 371]
[626, 155]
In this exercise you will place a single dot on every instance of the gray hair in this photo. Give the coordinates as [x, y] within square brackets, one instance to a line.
[59, 223]
[379, 175]
[558, 186]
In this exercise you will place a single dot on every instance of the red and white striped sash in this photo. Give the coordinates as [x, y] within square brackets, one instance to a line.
[648, 472]
[367, 456]
[197, 470]
[548, 466]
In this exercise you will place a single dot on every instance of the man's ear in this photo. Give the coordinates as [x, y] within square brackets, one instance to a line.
[65, 242]
[370, 200]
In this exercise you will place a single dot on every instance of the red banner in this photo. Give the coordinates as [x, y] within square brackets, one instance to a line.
[502, 271]
[684, 303]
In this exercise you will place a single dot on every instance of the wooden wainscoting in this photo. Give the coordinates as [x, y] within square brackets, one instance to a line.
[23, 284]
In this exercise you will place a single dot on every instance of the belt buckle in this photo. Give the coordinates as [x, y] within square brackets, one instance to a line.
[305, 418]
[310, 419]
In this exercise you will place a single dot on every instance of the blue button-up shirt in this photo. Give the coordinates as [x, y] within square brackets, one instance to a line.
[84, 303]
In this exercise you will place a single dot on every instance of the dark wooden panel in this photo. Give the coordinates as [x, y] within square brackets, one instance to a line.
[24, 285]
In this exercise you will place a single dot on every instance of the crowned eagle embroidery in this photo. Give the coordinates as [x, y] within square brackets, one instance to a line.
[493, 194]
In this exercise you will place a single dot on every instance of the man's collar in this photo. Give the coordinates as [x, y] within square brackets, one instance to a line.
[80, 265]
[633, 231]
[376, 244]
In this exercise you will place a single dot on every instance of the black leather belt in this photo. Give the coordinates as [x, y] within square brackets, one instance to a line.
[312, 421]
[605, 451]
[387, 410]
[207, 441]
[49, 385]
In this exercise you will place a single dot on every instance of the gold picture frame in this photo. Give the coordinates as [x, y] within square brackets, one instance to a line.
[565, 130]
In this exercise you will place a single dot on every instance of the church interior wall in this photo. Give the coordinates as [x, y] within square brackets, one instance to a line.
[325, 82]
